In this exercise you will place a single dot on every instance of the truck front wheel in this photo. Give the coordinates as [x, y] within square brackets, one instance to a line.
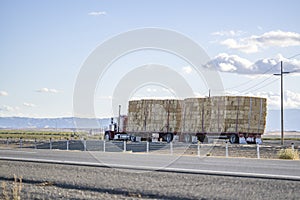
[169, 137]
[233, 138]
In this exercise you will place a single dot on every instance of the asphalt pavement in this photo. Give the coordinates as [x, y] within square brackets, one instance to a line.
[276, 169]
[61, 181]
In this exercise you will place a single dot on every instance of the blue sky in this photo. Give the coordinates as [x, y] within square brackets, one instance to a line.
[45, 43]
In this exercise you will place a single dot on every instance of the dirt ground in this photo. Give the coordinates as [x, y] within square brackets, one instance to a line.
[269, 149]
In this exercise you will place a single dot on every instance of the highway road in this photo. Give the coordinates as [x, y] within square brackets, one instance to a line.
[273, 169]
[57, 174]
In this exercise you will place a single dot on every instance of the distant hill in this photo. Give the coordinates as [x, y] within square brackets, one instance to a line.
[67, 122]
[291, 122]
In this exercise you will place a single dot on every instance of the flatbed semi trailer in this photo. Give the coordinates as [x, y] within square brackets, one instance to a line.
[236, 118]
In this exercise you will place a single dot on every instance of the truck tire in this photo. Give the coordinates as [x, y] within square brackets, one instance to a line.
[203, 138]
[187, 138]
[132, 138]
[233, 138]
[169, 137]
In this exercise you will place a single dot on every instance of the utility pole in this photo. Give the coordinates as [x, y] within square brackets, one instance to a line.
[119, 118]
[281, 94]
[281, 100]
[281, 106]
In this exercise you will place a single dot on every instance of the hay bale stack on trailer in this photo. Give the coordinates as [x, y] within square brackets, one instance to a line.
[238, 118]
[155, 116]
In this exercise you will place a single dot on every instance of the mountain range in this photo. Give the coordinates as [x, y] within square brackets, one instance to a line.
[291, 122]
[52, 123]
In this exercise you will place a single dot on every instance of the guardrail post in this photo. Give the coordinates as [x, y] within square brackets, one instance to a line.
[104, 144]
[147, 148]
[67, 144]
[226, 149]
[35, 145]
[124, 146]
[257, 149]
[84, 144]
[198, 148]
[21, 143]
[293, 146]
[171, 148]
[50, 143]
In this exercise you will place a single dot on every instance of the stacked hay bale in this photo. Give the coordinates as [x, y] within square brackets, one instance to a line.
[193, 115]
[154, 115]
[245, 114]
[215, 122]
[227, 114]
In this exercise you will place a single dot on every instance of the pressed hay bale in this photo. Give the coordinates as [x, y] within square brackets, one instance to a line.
[213, 114]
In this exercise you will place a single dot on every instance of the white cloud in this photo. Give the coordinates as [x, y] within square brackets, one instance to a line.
[97, 13]
[3, 93]
[28, 104]
[7, 108]
[230, 63]
[227, 67]
[254, 43]
[241, 45]
[235, 64]
[291, 99]
[105, 97]
[230, 33]
[278, 38]
[187, 69]
[47, 90]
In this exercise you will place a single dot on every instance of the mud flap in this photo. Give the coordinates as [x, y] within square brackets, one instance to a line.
[242, 140]
[258, 141]
[250, 140]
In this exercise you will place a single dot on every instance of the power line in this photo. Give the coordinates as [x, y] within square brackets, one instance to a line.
[260, 75]
[257, 84]
[294, 56]
[246, 82]
[254, 87]
[265, 85]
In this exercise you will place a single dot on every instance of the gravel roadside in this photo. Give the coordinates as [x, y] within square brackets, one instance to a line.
[52, 181]
[268, 150]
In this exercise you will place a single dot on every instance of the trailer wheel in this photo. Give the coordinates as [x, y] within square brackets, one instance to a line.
[169, 137]
[233, 138]
[133, 138]
[187, 138]
[203, 138]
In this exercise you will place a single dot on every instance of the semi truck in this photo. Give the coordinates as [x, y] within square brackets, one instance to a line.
[240, 119]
